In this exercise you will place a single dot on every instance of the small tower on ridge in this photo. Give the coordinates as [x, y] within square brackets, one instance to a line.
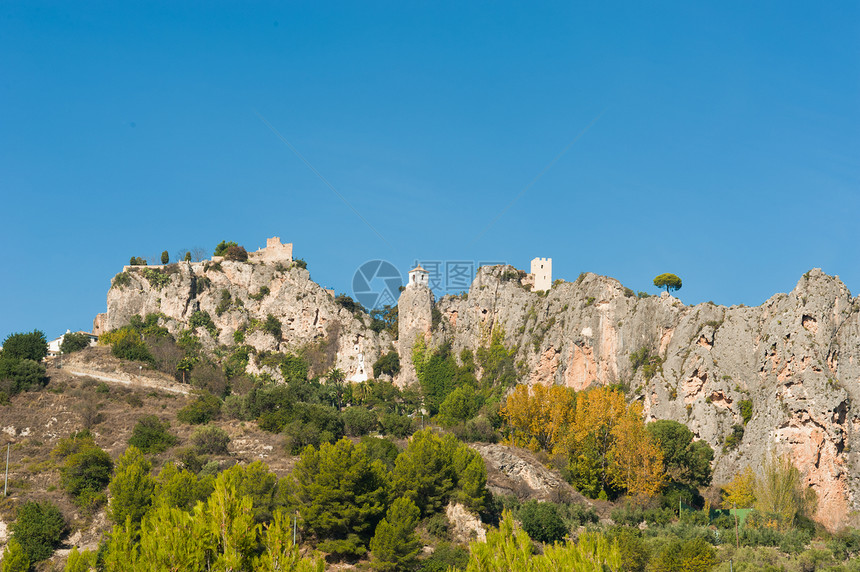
[419, 277]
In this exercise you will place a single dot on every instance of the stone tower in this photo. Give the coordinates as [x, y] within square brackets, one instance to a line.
[542, 272]
[414, 317]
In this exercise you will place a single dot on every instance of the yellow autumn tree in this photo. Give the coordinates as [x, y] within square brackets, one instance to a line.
[539, 416]
[740, 493]
[636, 457]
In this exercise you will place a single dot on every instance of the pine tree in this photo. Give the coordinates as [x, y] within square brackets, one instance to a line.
[395, 544]
[14, 558]
[131, 487]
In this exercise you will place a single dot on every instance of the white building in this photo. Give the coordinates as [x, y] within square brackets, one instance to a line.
[542, 272]
[419, 277]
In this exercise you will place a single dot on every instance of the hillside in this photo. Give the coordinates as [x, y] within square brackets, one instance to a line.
[791, 365]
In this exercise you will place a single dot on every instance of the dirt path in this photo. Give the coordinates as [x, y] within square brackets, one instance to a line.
[126, 379]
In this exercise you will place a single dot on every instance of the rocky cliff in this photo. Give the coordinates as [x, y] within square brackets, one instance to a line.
[793, 362]
[240, 297]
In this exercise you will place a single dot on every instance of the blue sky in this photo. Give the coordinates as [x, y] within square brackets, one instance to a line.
[718, 141]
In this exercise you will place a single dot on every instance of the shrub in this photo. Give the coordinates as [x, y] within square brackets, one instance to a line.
[542, 522]
[388, 364]
[14, 558]
[734, 438]
[396, 425]
[121, 280]
[445, 557]
[746, 406]
[18, 375]
[210, 440]
[32, 346]
[137, 261]
[358, 421]
[273, 326]
[158, 279]
[86, 474]
[150, 435]
[204, 320]
[237, 253]
[38, 529]
[165, 257]
[74, 342]
[262, 293]
[203, 409]
[221, 248]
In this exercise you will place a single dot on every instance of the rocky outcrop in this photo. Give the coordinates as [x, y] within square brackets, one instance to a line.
[240, 297]
[795, 358]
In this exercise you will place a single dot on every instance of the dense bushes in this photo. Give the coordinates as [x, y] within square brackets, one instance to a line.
[20, 367]
[38, 528]
[203, 409]
[74, 342]
[151, 435]
[542, 521]
[31, 346]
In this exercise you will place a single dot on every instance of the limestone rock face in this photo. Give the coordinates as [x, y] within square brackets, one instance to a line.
[796, 358]
[415, 318]
[235, 294]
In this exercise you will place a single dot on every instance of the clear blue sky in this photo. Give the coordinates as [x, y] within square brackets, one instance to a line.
[719, 141]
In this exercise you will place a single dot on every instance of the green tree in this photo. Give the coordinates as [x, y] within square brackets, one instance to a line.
[32, 345]
[38, 529]
[165, 257]
[74, 342]
[461, 405]
[80, 561]
[668, 281]
[131, 487]
[395, 544]
[14, 558]
[432, 469]
[187, 257]
[222, 247]
[542, 521]
[780, 491]
[18, 375]
[85, 475]
[280, 554]
[151, 435]
[684, 460]
[388, 364]
[340, 494]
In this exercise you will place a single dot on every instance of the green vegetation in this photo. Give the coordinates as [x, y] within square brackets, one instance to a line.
[137, 261]
[668, 281]
[157, 278]
[395, 545]
[14, 558]
[32, 346]
[221, 248]
[74, 342]
[86, 469]
[262, 293]
[151, 435]
[38, 529]
[387, 364]
[131, 488]
[651, 364]
[165, 257]
[746, 407]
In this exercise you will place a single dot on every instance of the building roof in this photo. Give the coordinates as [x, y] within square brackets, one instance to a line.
[418, 269]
